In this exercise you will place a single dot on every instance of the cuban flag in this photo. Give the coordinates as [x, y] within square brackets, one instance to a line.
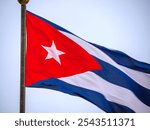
[58, 59]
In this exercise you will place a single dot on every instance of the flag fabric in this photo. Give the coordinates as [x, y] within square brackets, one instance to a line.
[58, 59]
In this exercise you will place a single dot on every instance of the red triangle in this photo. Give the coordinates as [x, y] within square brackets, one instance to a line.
[75, 60]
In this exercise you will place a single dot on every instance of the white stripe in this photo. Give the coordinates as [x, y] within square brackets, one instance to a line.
[112, 92]
[139, 77]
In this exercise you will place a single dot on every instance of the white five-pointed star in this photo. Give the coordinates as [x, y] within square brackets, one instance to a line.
[53, 52]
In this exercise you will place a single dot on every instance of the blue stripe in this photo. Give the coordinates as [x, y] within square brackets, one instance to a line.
[55, 25]
[92, 96]
[118, 56]
[125, 60]
[116, 76]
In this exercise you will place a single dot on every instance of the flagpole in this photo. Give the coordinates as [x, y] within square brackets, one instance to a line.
[23, 51]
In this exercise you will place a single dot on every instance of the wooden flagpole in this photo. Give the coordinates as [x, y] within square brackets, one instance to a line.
[23, 52]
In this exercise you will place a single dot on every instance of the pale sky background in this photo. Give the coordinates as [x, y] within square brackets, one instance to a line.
[118, 24]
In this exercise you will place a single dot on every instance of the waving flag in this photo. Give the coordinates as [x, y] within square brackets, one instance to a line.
[58, 59]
